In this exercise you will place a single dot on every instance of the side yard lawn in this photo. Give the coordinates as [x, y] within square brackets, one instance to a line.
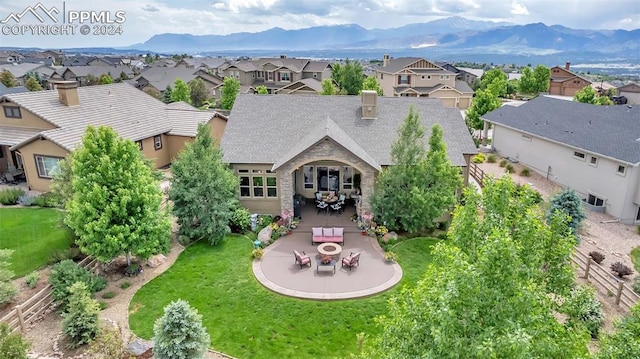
[246, 320]
[34, 234]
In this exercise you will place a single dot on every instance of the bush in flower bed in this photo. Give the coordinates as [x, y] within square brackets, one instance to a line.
[596, 256]
[10, 196]
[621, 269]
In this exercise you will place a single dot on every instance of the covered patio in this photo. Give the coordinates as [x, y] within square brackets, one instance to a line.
[278, 272]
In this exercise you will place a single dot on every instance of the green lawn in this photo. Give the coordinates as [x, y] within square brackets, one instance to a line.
[246, 320]
[635, 258]
[33, 233]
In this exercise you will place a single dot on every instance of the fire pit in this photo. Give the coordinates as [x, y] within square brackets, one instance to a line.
[329, 250]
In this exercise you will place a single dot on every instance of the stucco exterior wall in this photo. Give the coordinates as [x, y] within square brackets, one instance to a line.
[326, 150]
[176, 144]
[27, 120]
[558, 163]
[633, 98]
[262, 205]
[39, 147]
[161, 157]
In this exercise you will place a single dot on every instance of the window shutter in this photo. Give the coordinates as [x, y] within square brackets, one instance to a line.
[399, 79]
[409, 80]
[278, 76]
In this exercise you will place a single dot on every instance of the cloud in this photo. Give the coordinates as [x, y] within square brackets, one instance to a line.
[150, 8]
[518, 8]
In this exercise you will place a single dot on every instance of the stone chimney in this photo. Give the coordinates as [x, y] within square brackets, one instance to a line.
[67, 92]
[385, 60]
[567, 65]
[369, 105]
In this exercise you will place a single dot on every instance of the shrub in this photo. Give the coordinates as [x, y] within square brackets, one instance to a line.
[10, 196]
[390, 256]
[584, 309]
[7, 289]
[59, 255]
[108, 295]
[621, 269]
[102, 305]
[636, 284]
[240, 219]
[48, 199]
[503, 162]
[26, 200]
[179, 333]
[80, 323]
[568, 202]
[125, 285]
[108, 344]
[12, 345]
[257, 253]
[492, 158]
[525, 191]
[525, 172]
[509, 168]
[32, 279]
[66, 273]
[596, 256]
[479, 158]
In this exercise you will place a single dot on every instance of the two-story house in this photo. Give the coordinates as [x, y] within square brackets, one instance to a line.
[156, 79]
[37, 129]
[592, 149]
[631, 92]
[563, 82]
[417, 77]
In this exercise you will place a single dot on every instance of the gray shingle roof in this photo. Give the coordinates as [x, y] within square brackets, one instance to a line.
[130, 112]
[160, 77]
[611, 131]
[264, 128]
[5, 90]
[19, 70]
[398, 64]
[462, 86]
[314, 84]
[316, 66]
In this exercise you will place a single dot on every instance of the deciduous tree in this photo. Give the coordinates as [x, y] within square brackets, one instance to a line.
[198, 92]
[7, 78]
[623, 343]
[262, 90]
[328, 88]
[494, 80]
[541, 74]
[203, 189]
[179, 333]
[229, 92]
[117, 202]
[348, 77]
[106, 79]
[588, 95]
[12, 345]
[181, 91]
[421, 185]
[484, 102]
[371, 83]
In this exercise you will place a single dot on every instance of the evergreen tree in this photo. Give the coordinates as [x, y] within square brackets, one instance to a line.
[203, 189]
[179, 333]
[33, 84]
[167, 95]
[198, 92]
[7, 78]
[568, 202]
[81, 321]
[117, 202]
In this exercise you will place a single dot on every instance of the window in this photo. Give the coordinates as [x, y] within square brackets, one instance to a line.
[269, 75]
[403, 80]
[139, 143]
[1, 152]
[526, 137]
[285, 76]
[428, 77]
[593, 161]
[315, 75]
[441, 77]
[446, 77]
[328, 179]
[579, 155]
[12, 112]
[237, 74]
[258, 186]
[381, 76]
[245, 186]
[19, 161]
[213, 92]
[595, 201]
[347, 177]
[261, 74]
[308, 172]
[272, 187]
[638, 214]
[621, 170]
[157, 142]
[47, 166]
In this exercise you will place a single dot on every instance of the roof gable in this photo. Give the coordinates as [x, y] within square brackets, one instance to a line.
[402, 63]
[632, 87]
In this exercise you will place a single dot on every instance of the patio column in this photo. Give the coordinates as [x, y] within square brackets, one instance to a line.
[366, 186]
[286, 191]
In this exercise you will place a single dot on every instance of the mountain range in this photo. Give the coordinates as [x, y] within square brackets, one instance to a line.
[450, 35]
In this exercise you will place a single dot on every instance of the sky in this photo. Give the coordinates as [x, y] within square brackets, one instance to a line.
[132, 22]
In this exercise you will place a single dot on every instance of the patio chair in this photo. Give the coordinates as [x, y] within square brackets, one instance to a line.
[302, 259]
[341, 198]
[318, 197]
[353, 260]
[9, 179]
[336, 207]
[322, 206]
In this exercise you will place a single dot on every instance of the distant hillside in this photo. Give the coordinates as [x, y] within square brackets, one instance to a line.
[452, 35]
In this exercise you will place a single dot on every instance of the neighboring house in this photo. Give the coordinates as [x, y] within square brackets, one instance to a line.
[211, 63]
[76, 61]
[157, 78]
[10, 56]
[470, 75]
[279, 75]
[80, 74]
[563, 82]
[37, 129]
[631, 92]
[592, 149]
[105, 61]
[163, 63]
[417, 77]
[21, 71]
[53, 55]
[281, 145]
[603, 88]
[16, 89]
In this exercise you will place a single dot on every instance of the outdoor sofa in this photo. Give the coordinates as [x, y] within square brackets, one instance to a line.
[323, 235]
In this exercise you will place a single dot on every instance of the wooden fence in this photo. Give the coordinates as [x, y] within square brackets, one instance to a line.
[476, 173]
[625, 297]
[25, 313]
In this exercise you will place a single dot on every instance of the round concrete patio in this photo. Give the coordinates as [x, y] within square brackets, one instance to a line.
[278, 272]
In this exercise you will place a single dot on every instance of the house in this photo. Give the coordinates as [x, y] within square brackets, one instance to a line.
[53, 55]
[281, 145]
[10, 56]
[470, 75]
[158, 78]
[37, 129]
[563, 82]
[5, 90]
[105, 61]
[81, 74]
[211, 63]
[21, 72]
[417, 77]
[592, 149]
[76, 61]
[603, 88]
[631, 92]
